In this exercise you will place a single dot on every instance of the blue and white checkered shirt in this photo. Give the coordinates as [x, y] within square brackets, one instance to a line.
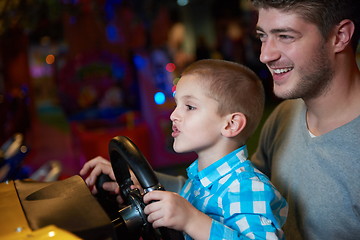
[241, 201]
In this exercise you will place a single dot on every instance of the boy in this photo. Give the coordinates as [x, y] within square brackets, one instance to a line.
[218, 107]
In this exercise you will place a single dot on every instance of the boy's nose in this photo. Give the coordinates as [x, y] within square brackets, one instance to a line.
[173, 115]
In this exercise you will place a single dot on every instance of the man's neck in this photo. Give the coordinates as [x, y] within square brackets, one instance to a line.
[337, 106]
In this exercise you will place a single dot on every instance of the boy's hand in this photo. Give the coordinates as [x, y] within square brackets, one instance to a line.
[171, 210]
[167, 209]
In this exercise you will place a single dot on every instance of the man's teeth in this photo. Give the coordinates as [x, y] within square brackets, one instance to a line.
[283, 70]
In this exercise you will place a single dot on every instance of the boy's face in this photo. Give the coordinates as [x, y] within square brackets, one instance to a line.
[196, 122]
[295, 53]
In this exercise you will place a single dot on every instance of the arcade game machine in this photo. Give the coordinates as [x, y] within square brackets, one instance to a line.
[66, 209]
[100, 100]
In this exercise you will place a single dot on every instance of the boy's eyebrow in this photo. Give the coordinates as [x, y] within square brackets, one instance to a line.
[279, 30]
[185, 97]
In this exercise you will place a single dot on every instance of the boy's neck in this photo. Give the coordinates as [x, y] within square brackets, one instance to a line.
[210, 156]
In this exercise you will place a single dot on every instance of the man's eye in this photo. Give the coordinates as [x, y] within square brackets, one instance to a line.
[261, 36]
[286, 37]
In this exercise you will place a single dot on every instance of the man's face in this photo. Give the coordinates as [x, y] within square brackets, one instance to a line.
[295, 53]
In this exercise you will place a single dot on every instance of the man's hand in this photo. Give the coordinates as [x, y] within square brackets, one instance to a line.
[96, 166]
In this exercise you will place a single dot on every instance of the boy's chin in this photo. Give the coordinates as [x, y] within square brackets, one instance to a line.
[179, 149]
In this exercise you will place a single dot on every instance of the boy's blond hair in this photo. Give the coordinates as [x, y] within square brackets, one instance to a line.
[234, 86]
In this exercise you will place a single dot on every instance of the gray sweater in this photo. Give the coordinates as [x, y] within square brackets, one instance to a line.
[319, 176]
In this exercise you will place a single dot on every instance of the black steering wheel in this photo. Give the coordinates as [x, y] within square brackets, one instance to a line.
[130, 220]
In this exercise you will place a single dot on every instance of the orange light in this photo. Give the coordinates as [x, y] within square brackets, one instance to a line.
[50, 59]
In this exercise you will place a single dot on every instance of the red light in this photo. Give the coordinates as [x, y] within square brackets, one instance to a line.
[170, 67]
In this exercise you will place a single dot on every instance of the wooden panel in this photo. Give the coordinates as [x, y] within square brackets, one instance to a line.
[12, 218]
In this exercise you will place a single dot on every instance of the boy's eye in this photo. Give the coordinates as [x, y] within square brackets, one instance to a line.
[189, 107]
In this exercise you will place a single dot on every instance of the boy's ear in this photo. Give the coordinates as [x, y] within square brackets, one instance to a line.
[344, 32]
[235, 123]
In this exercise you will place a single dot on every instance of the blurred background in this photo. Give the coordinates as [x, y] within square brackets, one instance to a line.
[75, 73]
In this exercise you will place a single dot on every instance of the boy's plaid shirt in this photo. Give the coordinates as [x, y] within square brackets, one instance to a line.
[239, 198]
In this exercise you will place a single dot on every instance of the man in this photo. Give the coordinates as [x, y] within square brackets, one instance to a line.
[310, 146]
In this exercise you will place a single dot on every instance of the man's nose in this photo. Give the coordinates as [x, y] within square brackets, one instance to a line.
[269, 51]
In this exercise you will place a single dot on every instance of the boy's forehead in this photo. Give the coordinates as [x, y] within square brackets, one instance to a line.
[190, 79]
[191, 85]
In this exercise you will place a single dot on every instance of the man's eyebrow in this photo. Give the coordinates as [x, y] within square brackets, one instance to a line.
[259, 29]
[279, 30]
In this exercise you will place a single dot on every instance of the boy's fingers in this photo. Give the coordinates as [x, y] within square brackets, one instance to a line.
[153, 215]
[152, 207]
[153, 196]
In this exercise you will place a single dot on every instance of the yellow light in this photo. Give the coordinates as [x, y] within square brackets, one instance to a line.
[51, 234]
[23, 149]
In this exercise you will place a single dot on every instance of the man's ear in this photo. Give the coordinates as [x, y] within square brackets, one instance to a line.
[235, 123]
[343, 34]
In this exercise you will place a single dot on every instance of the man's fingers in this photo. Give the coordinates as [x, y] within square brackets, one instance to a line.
[92, 163]
[97, 170]
[111, 186]
[94, 190]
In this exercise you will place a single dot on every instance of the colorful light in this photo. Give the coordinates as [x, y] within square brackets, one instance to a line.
[50, 59]
[170, 67]
[182, 2]
[112, 33]
[139, 62]
[159, 98]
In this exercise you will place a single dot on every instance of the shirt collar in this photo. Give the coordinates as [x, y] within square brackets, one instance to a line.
[218, 169]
